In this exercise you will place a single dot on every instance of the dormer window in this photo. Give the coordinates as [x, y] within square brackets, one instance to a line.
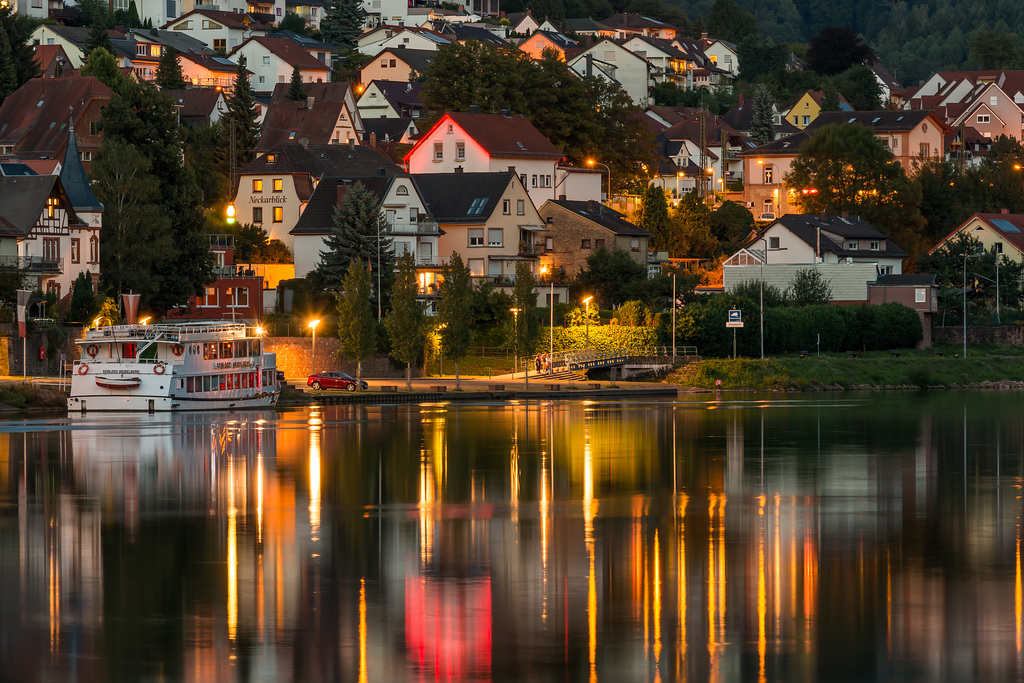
[271, 158]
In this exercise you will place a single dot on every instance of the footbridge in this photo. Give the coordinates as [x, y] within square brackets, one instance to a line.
[627, 362]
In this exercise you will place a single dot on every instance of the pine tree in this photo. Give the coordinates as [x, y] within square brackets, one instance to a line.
[342, 23]
[455, 311]
[18, 28]
[168, 71]
[8, 75]
[406, 323]
[357, 329]
[359, 234]
[241, 131]
[762, 127]
[653, 214]
[295, 90]
[98, 37]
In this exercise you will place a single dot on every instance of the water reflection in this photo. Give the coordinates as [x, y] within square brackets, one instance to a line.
[872, 538]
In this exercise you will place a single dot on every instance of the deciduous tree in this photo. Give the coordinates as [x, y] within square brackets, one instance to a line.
[835, 49]
[455, 311]
[101, 64]
[405, 323]
[357, 326]
[524, 297]
[727, 21]
[809, 287]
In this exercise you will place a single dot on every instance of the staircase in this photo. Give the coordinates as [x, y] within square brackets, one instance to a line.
[560, 376]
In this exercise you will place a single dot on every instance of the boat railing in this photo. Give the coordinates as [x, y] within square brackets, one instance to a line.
[169, 332]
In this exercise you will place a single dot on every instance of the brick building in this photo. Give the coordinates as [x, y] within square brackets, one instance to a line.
[575, 229]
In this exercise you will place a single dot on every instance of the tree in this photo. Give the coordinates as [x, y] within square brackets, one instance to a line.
[168, 71]
[730, 224]
[17, 29]
[524, 297]
[759, 57]
[357, 328]
[835, 49]
[947, 262]
[98, 37]
[860, 88]
[455, 311]
[830, 98]
[727, 21]
[239, 124]
[405, 323]
[294, 23]
[342, 23]
[694, 238]
[295, 91]
[653, 213]
[359, 233]
[135, 233]
[8, 74]
[762, 125]
[84, 304]
[809, 287]
[253, 245]
[101, 64]
[852, 171]
[147, 119]
[609, 276]
[990, 50]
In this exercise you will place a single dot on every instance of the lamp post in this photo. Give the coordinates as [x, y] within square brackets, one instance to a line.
[591, 162]
[587, 318]
[379, 297]
[312, 326]
[967, 255]
[515, 340]
[551, 305]
[673, 318]
[679, 175]
[761, 295]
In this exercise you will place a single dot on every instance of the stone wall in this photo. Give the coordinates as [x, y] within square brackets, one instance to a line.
[295, 358]
[1003, 334]
[11, 351]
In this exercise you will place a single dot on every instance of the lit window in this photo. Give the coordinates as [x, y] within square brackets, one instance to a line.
[278, 214]
[278, 185]
[257, 186]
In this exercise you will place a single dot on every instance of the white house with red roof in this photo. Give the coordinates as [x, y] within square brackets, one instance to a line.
[1004, 231]
[400, 37]
[488, 143]
[271, 61]
[222, 31]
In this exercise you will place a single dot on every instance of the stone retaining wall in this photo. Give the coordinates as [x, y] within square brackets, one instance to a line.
[295, 358]
[1003, 334]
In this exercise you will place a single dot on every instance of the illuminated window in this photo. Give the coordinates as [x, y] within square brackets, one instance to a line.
[278, 214]
[51, 207]
[257, 186]
[278, 185]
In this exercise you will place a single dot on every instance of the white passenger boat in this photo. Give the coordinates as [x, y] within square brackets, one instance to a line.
[187, 366]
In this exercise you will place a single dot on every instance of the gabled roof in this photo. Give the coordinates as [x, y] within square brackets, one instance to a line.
[305, 41]
[386, 130]
[418, 60]
[79, 35]
[510, 136]
[289, 121]
[318, 216]
[879, 121]
[72, 177]
[287, 51]
[47, 55]
[34, 117]
[556, 39]
[477, 33]
[25, 197]
[819, 95]
[661, 44]
[400, 93]
[15, 168]
[464, 197]
[233, 20]
[212, 62]
[321, 160]
[635, 21]
[741, 118]
[806, 226]
[887, 78]
[587, 25]
[789, 145]
[194, 104]
[182, 42]
[1009, 226]
[601, 215]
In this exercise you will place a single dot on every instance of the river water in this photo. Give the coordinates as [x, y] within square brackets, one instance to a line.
[849, 537]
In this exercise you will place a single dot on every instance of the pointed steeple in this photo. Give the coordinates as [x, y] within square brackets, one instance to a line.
[72, 175]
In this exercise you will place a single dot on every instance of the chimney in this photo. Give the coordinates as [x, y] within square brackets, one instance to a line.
[309, 102]
[474, 109]
[373, 139]
[739, 102]
[561, 197]
[351, 143]
[152, 32]
[304, 141]
[1005, 211]
[703, 36]
[459, 169]
[511, 169]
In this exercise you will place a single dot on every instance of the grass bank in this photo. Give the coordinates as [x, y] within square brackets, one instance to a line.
[20, 395]
[920, 369]
[472, 366]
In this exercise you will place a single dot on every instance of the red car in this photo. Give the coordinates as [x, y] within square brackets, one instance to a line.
[334, 380]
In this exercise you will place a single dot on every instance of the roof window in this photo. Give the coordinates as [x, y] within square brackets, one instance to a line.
[477, 207]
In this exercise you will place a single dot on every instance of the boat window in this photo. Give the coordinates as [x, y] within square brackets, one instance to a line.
[222, 382]
[149, 352]
[241, 349]
[128, 350]
[190, 385]
[225, 350]
[206, 382]
[210, 352]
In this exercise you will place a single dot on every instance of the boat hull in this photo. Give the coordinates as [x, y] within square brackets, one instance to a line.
[119, 401]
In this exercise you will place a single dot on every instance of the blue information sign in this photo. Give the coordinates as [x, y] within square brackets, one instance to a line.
[735, 315]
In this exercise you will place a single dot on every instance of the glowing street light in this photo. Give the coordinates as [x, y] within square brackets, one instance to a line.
[231, 213]
[312, 326]
[515, 340]
[587, 318]
[144, 321]
[96, 322]
[549, 271]
[591, 162]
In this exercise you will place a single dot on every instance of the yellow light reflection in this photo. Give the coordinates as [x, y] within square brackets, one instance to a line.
[657, 608]
[544, 531]
[53, 581]
[425, 505]
[232, 555]
[1018, 593]
[681, 582]
[588, 536]
[712, 593]
[314, 484]
[259, 496]
[362, 631]
[762, 597]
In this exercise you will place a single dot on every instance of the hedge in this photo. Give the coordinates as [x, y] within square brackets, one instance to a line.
[602, 338]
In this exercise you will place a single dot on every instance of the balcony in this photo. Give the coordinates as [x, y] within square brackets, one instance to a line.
[427, 260]
[425, 226]
[34, 264]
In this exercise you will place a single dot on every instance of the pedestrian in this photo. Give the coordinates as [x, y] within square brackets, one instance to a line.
[547, 363]
[536, 364]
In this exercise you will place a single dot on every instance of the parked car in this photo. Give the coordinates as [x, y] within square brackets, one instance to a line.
[334, 380]
[279, 376]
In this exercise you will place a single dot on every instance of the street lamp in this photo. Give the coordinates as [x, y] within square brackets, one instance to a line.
[312, 326]
[551, 304]
[587, 303]
[967, 255]
[591, 162]
[679, 175]
[515, 340]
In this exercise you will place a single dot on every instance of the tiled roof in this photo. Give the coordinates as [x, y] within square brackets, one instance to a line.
[24, 199]
[477, 33]
[400, 93]
[882, 120]
[182, 42]
[318, 216]
[212, 62]
[585, 26]
[418, 60]
[321, 160]
[305, 41]
[557, 39]
[1009, 225]
[287, 51]
[509, 136]
[79, 35]
[290, 121]
[463, 197]
[34, 117]
[386, 129]
[194, 103]
[805, 226]
[600, 214]
[789, 145]
[635, 21]
[234, 20]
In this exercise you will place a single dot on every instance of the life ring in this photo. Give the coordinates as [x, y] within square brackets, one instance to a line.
[177, 349]
[159, 369]
[92, 350]
[82, 369]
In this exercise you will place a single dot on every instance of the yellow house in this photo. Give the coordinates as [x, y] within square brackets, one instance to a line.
[1004, 231]
[808, 107]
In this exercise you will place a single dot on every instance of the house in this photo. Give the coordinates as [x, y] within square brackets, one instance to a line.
[386, 37]
[390, 100]
[893, 94]
[808, 106]
[272, 61]
[539, 41]
[764, 169]
[575, 229]
[319, 50]
[398, 64]
[238, 292]
[847, 250]
[626, 25]
[406, 221]
[71, 38]
[909, 135]
[489, 219]
[463, 33]
[1003, 232]
[312, 11]
[668, 63]
[618, 65]
[204, 70]
[34, 118]
[741, 118]
[680, 144]
[52, 60]
[918, 292]
[274, 188]
[328, 115]
[990, 111]
[478, 143]
[722, 54]
[220, 31]
[390, 137]
[198, 106]
[522, 23]
[589, 27]
[37, 9]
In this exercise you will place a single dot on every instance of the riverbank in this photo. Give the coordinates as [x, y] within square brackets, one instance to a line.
[988, 367]
[18, 395]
